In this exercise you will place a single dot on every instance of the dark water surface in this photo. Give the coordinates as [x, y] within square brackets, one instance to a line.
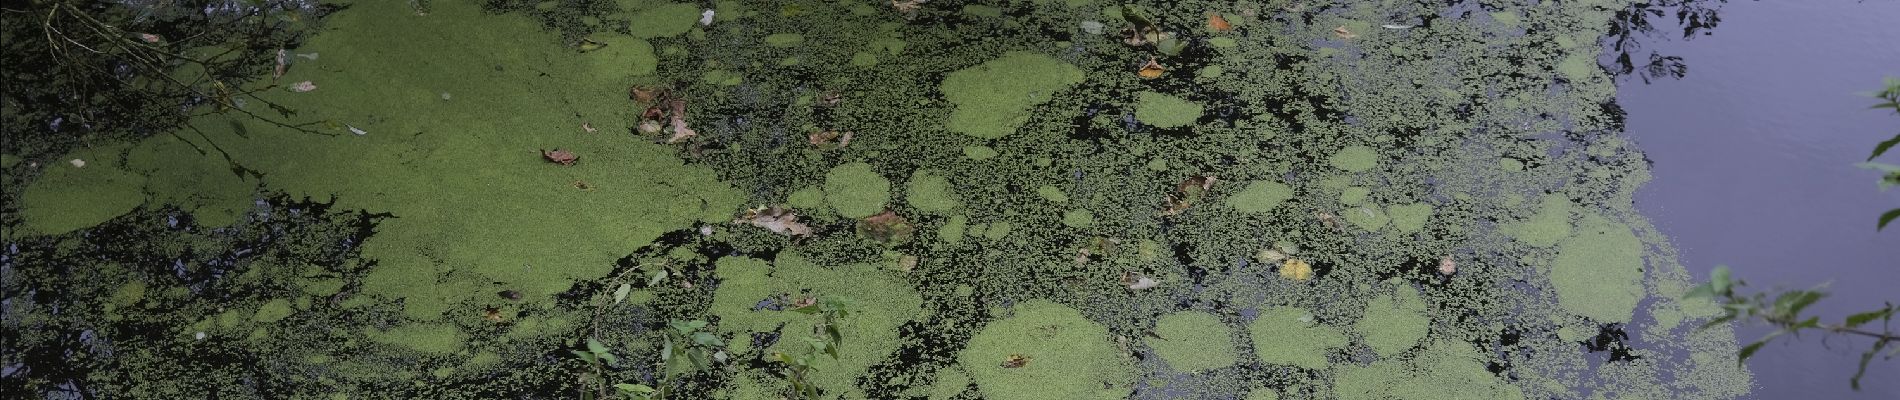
[1754, 154]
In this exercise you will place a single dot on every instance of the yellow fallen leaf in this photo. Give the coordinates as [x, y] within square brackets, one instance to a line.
[1296, 270]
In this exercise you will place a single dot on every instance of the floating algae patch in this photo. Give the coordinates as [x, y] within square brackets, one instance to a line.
[1193, 341]
[180, 173]
[1355, 158]
[1549, 225]
[1445, 370]
[755, 297]
[1409, 218]
[1599, 271]
[1290, 336]
[70, 196]
[1165, 110]
[930, 192]
[1046, 350]
[856, 191]
[623, 56]
[1393, 324]
[667, 19]
[1260, 196]
[995, 97]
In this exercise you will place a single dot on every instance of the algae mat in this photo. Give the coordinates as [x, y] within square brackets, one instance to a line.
[1012, 199]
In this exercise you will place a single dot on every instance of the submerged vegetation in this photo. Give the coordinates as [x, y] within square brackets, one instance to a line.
[1021, 199]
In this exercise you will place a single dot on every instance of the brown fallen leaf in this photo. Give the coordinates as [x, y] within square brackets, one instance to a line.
[588, 127]
[1188, 193]
[680, 131]
[583, 185]
[907, 7]
[492, 314]
[1151, 70]
[1328, 219]
[1136, 281]
[559, 156]
[1447, 266]
[1342, 33]
[1218, 24]
[886, 227]
[650, 127]
[1016, 361]
[779, 220]
[830, 139]
[642, 94]
[1296, 269]
[907, 263]
[803, 302]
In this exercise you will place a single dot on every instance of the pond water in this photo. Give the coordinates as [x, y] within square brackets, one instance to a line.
[1040, 199]
[1754, 153]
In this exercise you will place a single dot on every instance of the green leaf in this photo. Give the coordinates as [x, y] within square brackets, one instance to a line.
[1719, 280]
[1887, 217]
[585, 356]
[1748, 351]
[1883, 146]
[658, 276]
[620, 295]
[1864, 358]
[631, 388]
[610, 358]
[1803, 300]
[666, 351]
[1862, 318]
[595, 346]
[1718, 321]
[1702, 291]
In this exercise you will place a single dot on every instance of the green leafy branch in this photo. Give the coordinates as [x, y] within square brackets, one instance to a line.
[1784, 312]
[826, 341]
[682, 340]
[1891, 95]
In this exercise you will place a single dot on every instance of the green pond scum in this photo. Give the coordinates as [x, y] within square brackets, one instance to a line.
[1084, 228]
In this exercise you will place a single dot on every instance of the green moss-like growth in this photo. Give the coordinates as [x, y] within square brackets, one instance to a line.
[1069, 357]
[1051, 193]
[1394, 323]
[1352, 196]
[1549, 225]
[1409, 218]
[1263, 394]
[806, 198]
[664, 20]
[929, 192]
[784, 39]
[203, 184]
[1599, 272]
[856, 191]
[1368, 217]
[1355, 159]
[1260, 197]
[994, 97]
[1078, 218]
[67, 197]
[1166, 111]
[273, 311]
[428, 338]
[1193, 341]
[623, 56]
[979, 153]
[1288, 336]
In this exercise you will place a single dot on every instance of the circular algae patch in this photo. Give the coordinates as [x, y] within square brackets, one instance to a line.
[1260, 197]
[1068, 357]
[1599, 271]
[1355, 158]
[856, 191]
[1165, 110]
[1287, 336]
[1193, 341]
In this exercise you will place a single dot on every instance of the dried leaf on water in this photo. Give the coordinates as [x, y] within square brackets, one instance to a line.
[1328, 219]
[1151, 70]
[1447, 266]
[680, 131]
[1296, 269]
[559, 156]
[1136, 281]
[830, 138]
[1016, 361]
[1188, 193]
[583, 185]
[886, 227]
[779, 220]
[588, 45]
[1218, 24]
[492, 314]
[1343, 33]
